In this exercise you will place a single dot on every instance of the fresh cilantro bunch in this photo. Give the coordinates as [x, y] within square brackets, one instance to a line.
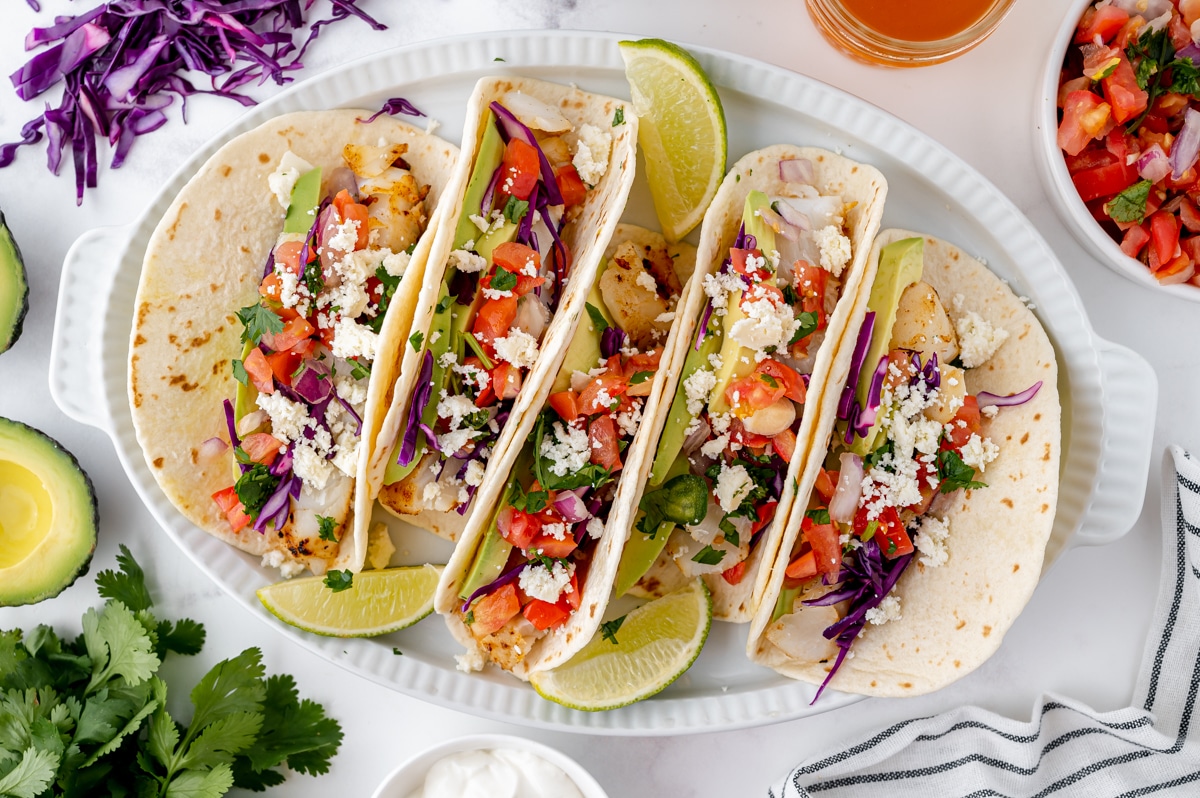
[89, 716]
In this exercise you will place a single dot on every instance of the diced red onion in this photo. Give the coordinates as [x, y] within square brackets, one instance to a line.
[794, 217]
[1191, 51]
[569, 504]
[490, 194]
[1179, 277]
[314, 384]
[212, 449]
[697, 438]
[1187, 144]
[283, 463]
[797, 170]
[1153, 164]
[860, 353]
[778, 223]
[844, 503]
[986, 399]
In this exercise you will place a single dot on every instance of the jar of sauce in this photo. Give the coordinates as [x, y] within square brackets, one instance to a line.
[907, 33]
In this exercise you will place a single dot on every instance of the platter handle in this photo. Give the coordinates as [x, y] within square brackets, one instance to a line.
[1129, 396]
[76, 373]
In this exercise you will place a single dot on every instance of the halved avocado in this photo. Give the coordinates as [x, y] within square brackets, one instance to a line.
[14, 288]
[48, 516]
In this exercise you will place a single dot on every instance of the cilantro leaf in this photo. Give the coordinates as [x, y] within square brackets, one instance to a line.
[239, 372]
[222, 739]
[808, 326]
[1130, 204]
[32, 775]
[532, 502]
[359, 370]
[258, 321]
[444, 304]
[729, 530]
[416, 339]
[477, 348]
[118, 645]
[514, 210]
[503, 280]
[592, 474]
[127, 586]
[599, 323]
[708, 556]
[254, 487]
[314, 280]
[1185, 77]
[608, 629]
[202, 783]
[769, 380]
[294, 731]
[819, 516]
[955, 474]
[326, 528]
[619, 116]
[640, 376]
[184, 637]
[337, 581]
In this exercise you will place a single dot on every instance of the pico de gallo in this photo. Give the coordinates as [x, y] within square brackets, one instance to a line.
[1129, 100]
[309, 343]
[919, 434]
[739, 403]
[529, 570]
[503, 282]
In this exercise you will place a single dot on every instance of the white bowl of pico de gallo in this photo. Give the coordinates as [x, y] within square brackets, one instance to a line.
[1119, 136]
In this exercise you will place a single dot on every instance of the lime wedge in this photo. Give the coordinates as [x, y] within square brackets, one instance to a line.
[654, 645]
[379, 602]
[681, 131]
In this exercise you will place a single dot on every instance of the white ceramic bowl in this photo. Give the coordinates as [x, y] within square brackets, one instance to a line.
[411, 775]
[1057, 179]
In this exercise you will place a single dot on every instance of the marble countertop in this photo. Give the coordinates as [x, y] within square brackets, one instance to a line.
[1083, 631]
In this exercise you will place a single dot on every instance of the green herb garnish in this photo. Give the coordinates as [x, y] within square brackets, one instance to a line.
[709, 556]
[337, 581]
[955, 474]
[608, 629]
[326, 528]
[599, 323]
[239, 372]
[1130, 204]
[415, 340]
[514, 210]
[503, 280]
[258, 322]
[619, 116]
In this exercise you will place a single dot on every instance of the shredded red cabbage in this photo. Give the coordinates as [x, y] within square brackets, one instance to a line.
[231, 424]
[393, 106]
[860, 353]
[412, 425]
[510, 126]
[865, 418]
[122, 62]
[500, 581]
[986, 399]
[611, 341]
[283, 463]
[279, 504]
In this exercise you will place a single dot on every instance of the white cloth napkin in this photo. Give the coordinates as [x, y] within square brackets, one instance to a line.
[1067, 749]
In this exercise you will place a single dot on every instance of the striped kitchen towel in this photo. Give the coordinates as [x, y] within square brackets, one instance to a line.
[1067, 749]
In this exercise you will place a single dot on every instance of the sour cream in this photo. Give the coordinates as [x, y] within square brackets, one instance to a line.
[496, 773]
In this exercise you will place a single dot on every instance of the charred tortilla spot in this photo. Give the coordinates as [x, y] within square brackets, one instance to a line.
[1025, 438]
[1045, 507]
[195, 455]
[226, 171]
[158, 462]
[143, 312]
[961, 624]
[264, 158]
[1016, 567]
[906, 685]
[175, 224]
[1046, 453]
[141, 339]
[1007, 503]
[217, 215]
[957, 663]
[987, 630]
[1037, 416]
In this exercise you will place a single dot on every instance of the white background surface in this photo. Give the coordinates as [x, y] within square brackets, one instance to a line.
[1081, 635]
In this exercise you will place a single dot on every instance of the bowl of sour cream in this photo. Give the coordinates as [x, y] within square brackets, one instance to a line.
[490, 766]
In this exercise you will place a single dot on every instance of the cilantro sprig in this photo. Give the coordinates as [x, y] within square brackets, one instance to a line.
[258, 321]
[89, 716]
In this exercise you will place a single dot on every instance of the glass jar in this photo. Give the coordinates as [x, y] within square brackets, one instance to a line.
[907, 33]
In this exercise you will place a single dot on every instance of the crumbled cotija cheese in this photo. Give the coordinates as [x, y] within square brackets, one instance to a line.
[591, 154]
[978, 340]
[733, 485]
[888, 610]
[548, 584]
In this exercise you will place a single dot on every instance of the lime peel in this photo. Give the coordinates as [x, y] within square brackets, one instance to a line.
[379, 602]
[655, 645]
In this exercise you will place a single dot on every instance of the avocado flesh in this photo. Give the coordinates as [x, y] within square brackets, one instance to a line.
[489, 156]
[900, 265]
[736, 360]
[641, 550]
[306, 197]
[48, 516]
[583, 353]
[14, 289]
[501, 235]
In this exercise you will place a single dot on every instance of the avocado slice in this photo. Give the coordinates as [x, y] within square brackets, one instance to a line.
[48, 516]
[900, 265]
[14, 288]
[501, 235]
[306, 196]
[736, 360]
[583, 353]
[490, 155]
[493, 551]
[641, 550]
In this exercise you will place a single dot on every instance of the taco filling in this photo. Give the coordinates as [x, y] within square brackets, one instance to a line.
[529, 571]
[310, 342]
[909, 431]
[506, 274]
[743, 389]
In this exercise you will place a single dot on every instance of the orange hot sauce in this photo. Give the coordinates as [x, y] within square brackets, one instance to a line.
[918, 20]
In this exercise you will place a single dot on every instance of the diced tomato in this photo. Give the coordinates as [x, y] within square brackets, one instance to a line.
[1191, 248]
[1105, 22]
[349, 210]
[287, 256]
[793, 384]
[552, 546]
[891, 535]
[523, 527]
[1180, 35]
[566, 404]
[1121, 88]
[1090, 158]
[957, 434]
[494, 319]
[603, 442]
[826, 545]
[810, 280]
[571, 597]
[522, 167]
[1086, 116]
[785, 444]
[1136, 237]
[826, 484]
[543, 614]
[516, 259]
[490, 612]
[610, 383]
[570, 185]
[739, 261]
[763, 514]
[1164, 236]
[231, 505]
[643, 361]
[259, 371]
[261, 447]
[294, 331]
[1080, 83]
[1104, 181]
[735, 574]
[284, 365]
[505, 380]
[1119, 144]
[803, 567]
[753, 392]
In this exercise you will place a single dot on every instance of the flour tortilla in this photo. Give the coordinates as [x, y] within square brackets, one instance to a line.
[955, 615]
[860, 184]
[585, 238]
[563, 642]
[204, 262]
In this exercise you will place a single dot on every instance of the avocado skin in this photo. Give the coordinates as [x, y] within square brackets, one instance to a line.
[71, 561]
[12, 270]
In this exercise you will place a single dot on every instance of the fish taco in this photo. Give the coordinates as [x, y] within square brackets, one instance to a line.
[274, 296]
